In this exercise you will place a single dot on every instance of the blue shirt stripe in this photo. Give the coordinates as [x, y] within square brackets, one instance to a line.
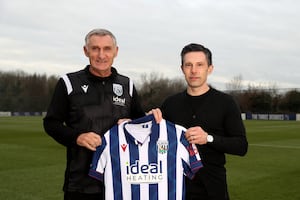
[115, 155]
[172, 138]
[152, 157]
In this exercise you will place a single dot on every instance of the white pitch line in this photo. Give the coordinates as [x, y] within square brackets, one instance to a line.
[275, 146]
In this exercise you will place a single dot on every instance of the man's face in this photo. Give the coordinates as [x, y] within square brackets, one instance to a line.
[196, 69]
[101, 52]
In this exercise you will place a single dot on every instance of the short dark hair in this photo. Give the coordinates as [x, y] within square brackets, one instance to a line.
[196, 47]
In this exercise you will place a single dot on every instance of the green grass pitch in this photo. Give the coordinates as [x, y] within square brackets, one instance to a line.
[32, 164]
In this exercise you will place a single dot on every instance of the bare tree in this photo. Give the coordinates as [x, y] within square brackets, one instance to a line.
[235, 84]
[155, 88]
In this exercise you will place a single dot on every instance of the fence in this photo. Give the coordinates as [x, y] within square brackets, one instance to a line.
[266, 116]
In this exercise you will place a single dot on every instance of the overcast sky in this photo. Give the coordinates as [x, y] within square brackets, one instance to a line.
[257, 39]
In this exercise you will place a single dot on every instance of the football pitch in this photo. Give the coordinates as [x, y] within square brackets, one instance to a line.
[32, 164]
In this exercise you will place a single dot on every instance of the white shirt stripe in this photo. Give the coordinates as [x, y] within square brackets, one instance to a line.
[130, 87]
[68, 83]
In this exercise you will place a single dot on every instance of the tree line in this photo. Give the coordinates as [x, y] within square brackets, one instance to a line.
[22, 92]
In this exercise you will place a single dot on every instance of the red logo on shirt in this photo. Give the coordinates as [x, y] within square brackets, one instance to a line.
[123, 146]
[192, 150]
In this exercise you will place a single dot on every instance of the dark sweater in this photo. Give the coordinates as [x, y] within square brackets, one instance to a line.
[218, 114]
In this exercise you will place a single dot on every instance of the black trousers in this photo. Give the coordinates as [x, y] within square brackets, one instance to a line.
[83, 196]
[207, 185]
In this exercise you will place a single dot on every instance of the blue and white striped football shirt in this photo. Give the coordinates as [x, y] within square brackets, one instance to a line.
[145, 160]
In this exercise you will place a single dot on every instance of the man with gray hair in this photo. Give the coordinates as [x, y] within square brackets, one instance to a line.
[86, 104]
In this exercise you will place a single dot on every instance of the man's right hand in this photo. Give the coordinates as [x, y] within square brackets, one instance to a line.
[89, 140]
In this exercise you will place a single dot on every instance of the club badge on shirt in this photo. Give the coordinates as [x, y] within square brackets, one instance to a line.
[162, 146]
[118, 91]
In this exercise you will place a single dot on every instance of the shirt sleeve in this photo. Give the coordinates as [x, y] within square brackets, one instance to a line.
[99, 161]
[235, 141]
[191, 160]
[56, 117]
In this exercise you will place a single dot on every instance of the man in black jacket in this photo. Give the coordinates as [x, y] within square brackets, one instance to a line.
[213, 122]
[85, 104]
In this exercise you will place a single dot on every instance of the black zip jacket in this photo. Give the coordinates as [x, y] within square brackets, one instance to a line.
[82, 103]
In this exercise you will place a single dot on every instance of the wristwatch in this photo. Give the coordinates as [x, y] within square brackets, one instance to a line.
[210, 138]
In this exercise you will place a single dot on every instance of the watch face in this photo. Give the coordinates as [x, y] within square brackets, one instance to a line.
[210, 138]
